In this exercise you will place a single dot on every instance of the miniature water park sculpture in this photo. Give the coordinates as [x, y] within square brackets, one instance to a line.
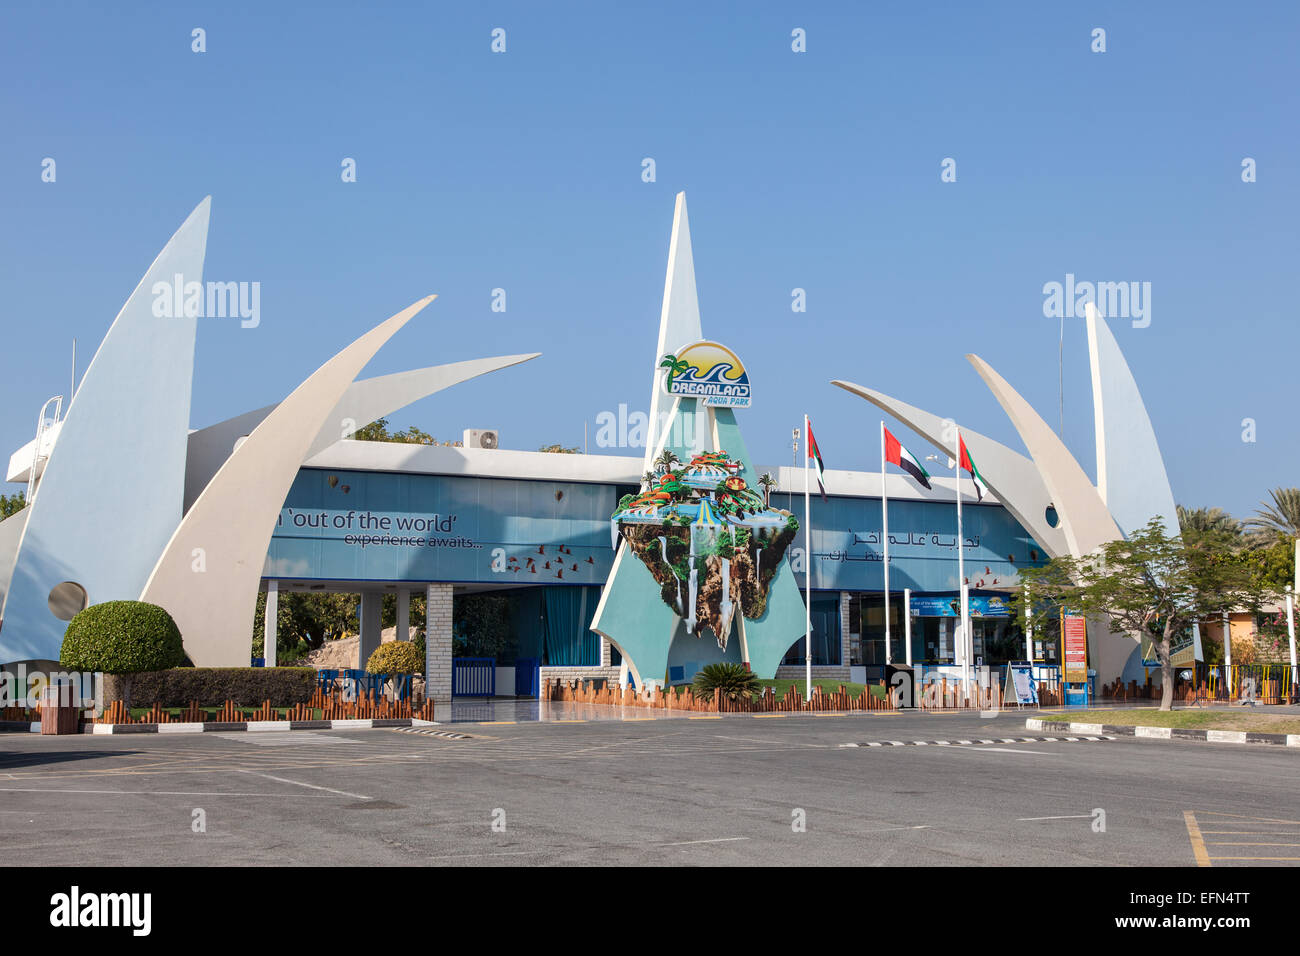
[711, 543]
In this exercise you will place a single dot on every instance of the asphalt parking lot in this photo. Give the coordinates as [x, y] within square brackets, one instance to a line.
[742, 789]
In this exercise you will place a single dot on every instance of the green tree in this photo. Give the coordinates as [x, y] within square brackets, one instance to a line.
[665, 462]
[378, 431]
[558, 449]
[12, 504]
[729, 681]
[304, 621]
[1203, 520]
[122, 638]
[1150, 583]
[1281, 519]
[768, 484]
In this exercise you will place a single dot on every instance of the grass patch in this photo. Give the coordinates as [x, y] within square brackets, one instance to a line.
[1247, 719]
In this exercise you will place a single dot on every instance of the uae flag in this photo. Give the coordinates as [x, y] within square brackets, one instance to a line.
[896, 454]
[968, 463]
[815, 454]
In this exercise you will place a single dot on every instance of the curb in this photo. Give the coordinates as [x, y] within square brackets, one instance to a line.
[1168, 733]
[250, 726]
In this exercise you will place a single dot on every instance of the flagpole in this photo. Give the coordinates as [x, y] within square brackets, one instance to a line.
[884, 524]
[807, 566]
[961, 576]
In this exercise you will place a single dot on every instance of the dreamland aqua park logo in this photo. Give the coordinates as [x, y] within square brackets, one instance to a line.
[707, 371]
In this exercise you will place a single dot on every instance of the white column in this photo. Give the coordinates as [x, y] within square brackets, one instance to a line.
[1290, 633]
[403, 614]
[270, 635]
[1029, 631]
[438, 643]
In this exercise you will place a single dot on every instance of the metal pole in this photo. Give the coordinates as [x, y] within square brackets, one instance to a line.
[1290, 633]
[1029, 632]
[884, 524]
[907, 623]
[961, 573]
[807, 567]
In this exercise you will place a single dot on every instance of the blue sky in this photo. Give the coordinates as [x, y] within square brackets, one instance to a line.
[818, 170]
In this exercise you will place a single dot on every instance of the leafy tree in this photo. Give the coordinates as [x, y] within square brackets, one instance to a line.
[1149, 583]
[664, 463]
[559, 450]
[396, 657]
[1281, 519]
[378, 431]
[304, 621]
[12, 504]
[122, 637]
[768, 484]
[1201, 520]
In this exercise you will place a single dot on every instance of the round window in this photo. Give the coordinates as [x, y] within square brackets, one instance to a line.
[67, 600]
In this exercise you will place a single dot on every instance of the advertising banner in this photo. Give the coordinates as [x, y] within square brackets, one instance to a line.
[1074, 631]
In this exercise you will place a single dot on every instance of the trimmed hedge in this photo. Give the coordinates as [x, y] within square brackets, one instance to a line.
[213, 686]
[122, 637]
[396, 657]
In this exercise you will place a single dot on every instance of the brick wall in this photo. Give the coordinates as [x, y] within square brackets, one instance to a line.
[580, 673]
[819, 672]
[437, 643]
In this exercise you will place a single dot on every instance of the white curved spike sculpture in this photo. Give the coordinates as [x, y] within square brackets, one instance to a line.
[208, 575]
[1083, 515]
[1131, 476]
[679, 321]
[364, 402]
[117, 472]
[1009, 475]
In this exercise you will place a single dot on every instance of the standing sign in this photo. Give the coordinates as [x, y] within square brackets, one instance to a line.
[1020, 684]
[1074, 631]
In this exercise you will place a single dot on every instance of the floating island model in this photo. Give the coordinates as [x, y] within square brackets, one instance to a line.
[711, 542]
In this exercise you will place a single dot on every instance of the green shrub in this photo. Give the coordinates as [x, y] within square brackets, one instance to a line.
[213, 686]
[732, 681]
[396, 657]
[122, 637]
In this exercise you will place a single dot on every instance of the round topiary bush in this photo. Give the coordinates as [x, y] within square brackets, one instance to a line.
[396, 657]
[122, 637]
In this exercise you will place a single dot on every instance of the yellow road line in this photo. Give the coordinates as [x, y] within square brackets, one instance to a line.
[1198, 842]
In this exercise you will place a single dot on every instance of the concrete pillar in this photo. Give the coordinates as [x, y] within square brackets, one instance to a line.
[371, 625]
[403, 614]
[437, 643]
[270, 634]
[845, 598]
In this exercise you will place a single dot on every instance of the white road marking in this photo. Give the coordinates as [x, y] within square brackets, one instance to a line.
[1072, 816]
[312, 786]
[694, 842]
[1002, 750]
[285, 739]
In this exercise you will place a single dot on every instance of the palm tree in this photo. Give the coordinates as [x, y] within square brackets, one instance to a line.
[1208, 520]
[768, 484]
[648, 479]
[675, 367]
[666, 460]
[1281, 519]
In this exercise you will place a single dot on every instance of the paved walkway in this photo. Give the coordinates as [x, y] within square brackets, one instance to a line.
[465, 710]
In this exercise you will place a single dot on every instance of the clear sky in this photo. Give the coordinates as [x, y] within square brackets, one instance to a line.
[818, 170]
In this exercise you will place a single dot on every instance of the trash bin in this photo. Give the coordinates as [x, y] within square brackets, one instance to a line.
[60, 710]
[1092, 684]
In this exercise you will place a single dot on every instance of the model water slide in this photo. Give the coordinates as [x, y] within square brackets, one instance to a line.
[208, 574]
[365, 401]
[129, 417]
[1131, 476]
[1009, 475]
